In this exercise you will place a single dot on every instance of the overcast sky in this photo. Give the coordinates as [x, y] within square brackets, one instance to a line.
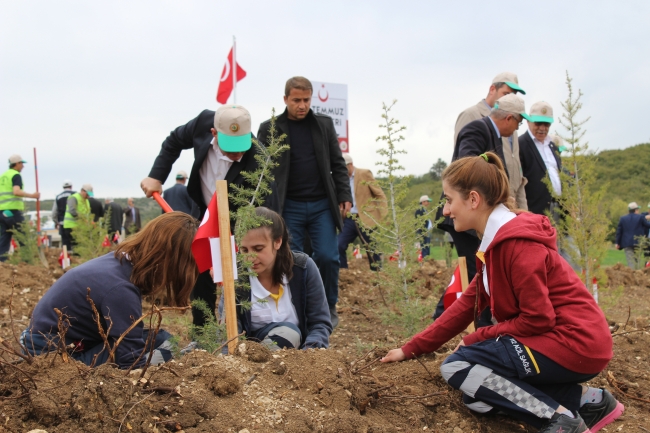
[97, 86]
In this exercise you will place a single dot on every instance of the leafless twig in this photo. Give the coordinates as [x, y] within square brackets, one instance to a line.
[226, 343]
[422, 364]
[129, 411]
[412, 397]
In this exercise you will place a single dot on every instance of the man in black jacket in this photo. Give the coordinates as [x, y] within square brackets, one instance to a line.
[477, 137]
[540, 158]
[312, 180]
[58, 212]
[178, 199]
[114, 223]
[221, 151]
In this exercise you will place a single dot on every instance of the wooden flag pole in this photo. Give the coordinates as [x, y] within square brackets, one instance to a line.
[462, 264]
[226, 265]
[39, 241]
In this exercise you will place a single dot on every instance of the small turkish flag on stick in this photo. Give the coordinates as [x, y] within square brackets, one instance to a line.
[206, 245]
[454, 289]
[228, 82]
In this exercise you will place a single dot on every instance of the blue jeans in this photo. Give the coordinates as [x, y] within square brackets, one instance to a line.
[37, 344]
[350, 231]
[315, 218]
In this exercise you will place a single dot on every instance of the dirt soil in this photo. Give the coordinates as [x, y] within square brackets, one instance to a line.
[342, 389]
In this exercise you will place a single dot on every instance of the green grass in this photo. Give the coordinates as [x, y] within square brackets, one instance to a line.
[613, 257]
[437, 252]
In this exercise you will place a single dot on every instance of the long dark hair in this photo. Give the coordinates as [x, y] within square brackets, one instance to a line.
[276, 227]
[162, 258]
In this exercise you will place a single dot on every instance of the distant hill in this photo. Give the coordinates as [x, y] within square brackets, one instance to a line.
[626, 173]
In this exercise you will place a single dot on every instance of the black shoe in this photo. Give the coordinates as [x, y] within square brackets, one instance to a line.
[334, 316]
[598, 415]
[561, 423]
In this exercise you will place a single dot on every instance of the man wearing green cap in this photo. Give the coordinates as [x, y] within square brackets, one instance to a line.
[503, 84]
[539, 157]
[479, 136]
[11, 202]
[222, 145]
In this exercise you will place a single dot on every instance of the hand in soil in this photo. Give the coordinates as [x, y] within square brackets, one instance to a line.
[394, 356]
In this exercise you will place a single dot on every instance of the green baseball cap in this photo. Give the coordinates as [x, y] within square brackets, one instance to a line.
[510, 79]
[233, 125]
[541, 112]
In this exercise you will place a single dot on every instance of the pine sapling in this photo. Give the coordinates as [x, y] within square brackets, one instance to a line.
[396, 235]
[584, 229]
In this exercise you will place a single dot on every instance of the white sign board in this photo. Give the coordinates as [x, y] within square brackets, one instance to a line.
[332, 100]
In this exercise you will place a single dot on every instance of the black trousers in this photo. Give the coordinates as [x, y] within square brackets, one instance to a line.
[466, 246]
[206, 290]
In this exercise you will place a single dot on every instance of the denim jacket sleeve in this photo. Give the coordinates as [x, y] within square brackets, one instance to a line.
[319, 324]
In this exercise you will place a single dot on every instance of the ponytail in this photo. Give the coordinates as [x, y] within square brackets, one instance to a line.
[278, 230]
[485, 174]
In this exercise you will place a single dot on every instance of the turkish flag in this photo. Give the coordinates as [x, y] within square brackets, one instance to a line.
[454, 289]
[206, 247]
[107, 242]
[225, 85]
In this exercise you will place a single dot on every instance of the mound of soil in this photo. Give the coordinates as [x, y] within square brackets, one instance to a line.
[342, 389]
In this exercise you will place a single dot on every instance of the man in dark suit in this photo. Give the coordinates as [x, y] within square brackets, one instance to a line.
[630, 228]
[312, 179]
[178, 198]
[132, 220]
[477, 137]
[222, 144]
[114, 223]
[540, 159]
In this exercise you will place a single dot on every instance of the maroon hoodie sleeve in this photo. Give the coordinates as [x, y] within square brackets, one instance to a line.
[453, 321]
[529, 284]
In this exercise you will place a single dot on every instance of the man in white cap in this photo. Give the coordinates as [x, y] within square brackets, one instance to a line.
[312, 179]
[178, 198]
[222, 146]
[58, 212]
[503, 84]
[540, 158]
[11, 202]
[425, 231]
[477, 137]
[77, 207]
[631, 226]
[369, 206]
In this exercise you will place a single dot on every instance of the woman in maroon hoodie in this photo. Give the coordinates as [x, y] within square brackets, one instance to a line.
[548, 333]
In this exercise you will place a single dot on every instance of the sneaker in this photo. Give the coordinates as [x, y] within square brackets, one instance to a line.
[189, 348]
[334, 316]
[561, 423]
[598, 415]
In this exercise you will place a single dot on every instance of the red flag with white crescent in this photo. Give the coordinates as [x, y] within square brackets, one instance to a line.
[454, 290]
[225, 84]
[206, 245]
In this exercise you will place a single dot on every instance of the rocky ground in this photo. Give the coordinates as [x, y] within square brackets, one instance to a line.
[342, 389]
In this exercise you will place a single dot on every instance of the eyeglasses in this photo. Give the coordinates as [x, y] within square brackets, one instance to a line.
[543, 124]
[519, 121]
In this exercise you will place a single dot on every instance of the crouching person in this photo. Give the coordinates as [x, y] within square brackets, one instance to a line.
[548, 333]
[156, 261]
[287, 297]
